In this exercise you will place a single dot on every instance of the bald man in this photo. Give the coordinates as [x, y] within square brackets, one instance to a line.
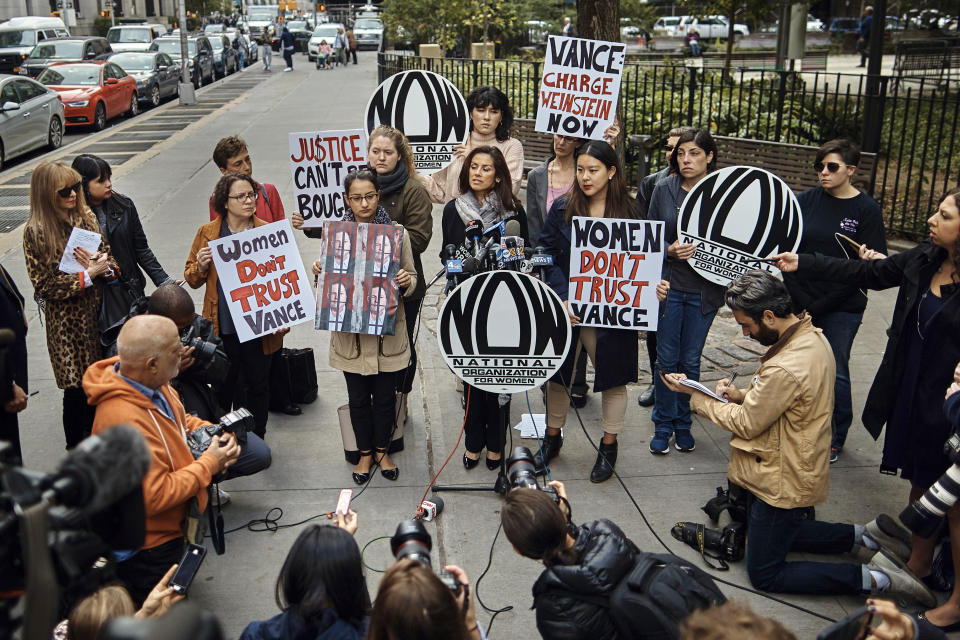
[133, 388]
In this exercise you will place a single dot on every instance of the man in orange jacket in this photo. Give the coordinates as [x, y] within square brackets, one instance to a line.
[133, 388]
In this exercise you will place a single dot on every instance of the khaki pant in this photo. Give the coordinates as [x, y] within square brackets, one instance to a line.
[613, 401]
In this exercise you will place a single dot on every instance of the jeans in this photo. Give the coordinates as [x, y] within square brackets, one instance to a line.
[772, 533]
[840, 328]
[288, 57]
[695, 48]
[681, 334]
[254, 457]
[266, 52]
[373, 402]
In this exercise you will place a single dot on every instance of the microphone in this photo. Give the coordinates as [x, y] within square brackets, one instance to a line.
[473, 232]
[430, 509]
[512, 228]
[541, 261]
[101, 470]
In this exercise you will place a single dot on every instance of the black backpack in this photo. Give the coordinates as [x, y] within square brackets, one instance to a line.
[653, 599]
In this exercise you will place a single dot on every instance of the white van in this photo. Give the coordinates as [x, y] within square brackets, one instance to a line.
[133, 37]
[18, 36]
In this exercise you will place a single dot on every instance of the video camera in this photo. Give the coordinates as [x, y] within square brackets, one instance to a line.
[237, 422]
[522, 473]
[411, 540]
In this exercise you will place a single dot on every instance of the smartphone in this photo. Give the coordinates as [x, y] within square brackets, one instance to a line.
[343, 503]
[189, 565]
[855, 626]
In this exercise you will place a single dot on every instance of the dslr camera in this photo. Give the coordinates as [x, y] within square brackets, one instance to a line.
[924, 516]
[727, 544]
[237, 422]
[411, 540]
[522, 474]
[205, 355]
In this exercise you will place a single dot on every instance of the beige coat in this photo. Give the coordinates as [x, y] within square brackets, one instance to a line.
[780, 449]
[368, 355]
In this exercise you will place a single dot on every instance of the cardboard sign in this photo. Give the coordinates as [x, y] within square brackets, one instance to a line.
[430, 111]
[263, 279]
[319, 161]
[503, 332]
[580, 87]
[357, 290]
[615, 266]
[735, 216]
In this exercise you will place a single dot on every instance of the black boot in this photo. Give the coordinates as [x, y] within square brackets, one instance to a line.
[646, 397]
[606, 460]
[550, 445]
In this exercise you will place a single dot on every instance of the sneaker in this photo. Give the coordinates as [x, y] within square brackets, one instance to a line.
[891, 537]
[660, 443]
[289, 69]
[224, 497]
[834, 454]
[904, 587]
[683, 440]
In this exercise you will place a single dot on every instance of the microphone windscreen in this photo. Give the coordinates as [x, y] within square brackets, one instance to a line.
[451, 250]
[474, 229]
[470, 265]
[7, 336]
[438, 501]
[512, 228]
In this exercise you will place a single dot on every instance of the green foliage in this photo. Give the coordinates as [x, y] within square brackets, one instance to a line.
[638, 13]
[101, 26]
[451, 22]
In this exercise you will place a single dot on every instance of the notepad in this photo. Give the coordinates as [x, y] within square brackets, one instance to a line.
[693, 384]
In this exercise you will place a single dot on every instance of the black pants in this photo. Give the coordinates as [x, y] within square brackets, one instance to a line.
[483, 423]
[652, 352]
[10, 432]
[372, 401]
[579, 386]
[352, 52]
[288, 57]
[406, 376]
[77, 416]
[143, 571]
[248, 382]
[279, 388]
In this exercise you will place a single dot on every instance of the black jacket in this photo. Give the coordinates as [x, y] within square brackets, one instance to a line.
[617, 350]
[455, 232]
[911, 271]
[13, 318]
[120, 224]
[606, 556]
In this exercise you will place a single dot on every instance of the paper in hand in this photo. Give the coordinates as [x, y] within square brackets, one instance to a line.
[693, 384]
[83, 239]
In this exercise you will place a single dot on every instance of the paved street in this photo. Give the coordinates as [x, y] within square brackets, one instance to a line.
[170, 180]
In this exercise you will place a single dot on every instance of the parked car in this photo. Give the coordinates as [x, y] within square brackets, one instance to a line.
[225, 60]
[326, 32]
[368, 33]
[18, 37]
[156, 73]
[814, 24]
[31, 116]
[64, 50]
[840, 26]
[200, 68]
[666, 26]
[133, 37]
[216, 27]
[92, 92]
[301, 31]
[709, 27]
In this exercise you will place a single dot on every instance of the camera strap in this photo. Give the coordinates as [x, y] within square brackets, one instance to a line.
[216, 520]
[700, 531]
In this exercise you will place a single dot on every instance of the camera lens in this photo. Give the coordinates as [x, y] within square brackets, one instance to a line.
[411, 540]
[521, 470]
[202, 350]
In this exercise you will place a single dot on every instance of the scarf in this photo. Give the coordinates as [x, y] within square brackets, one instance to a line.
[380, 217]
[391, 183]
[490, 211]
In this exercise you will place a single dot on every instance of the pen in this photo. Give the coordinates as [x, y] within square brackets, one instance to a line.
[730, 382]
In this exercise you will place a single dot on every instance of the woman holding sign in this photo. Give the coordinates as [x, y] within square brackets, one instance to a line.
[693, 302]
[372, 363]
[248, 382]
[70, 300]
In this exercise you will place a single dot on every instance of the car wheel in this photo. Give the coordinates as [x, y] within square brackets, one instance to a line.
[99, 117]
[134, 104]
[197, 79]
[55, 134]
[2, 163]
[155, 95]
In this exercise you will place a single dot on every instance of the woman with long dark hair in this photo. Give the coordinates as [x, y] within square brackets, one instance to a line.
[923, 348]
[487, 198]
[491, 122]
[693, 301]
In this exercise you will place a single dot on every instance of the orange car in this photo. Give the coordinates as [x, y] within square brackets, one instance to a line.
[91, 92]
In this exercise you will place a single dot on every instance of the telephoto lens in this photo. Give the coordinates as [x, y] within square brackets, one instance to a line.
[411, 540]
[521, 472]
[923, 517]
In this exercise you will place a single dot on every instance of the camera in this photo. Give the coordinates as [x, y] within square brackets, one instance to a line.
[728, 543]
[237, 422]
[205, 355]
[923, 517]
[411, 540]
[522, 473]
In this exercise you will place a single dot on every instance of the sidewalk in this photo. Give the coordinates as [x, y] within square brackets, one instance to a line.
[171, 189]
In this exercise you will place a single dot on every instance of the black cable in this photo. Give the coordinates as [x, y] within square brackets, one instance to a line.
[476, 589]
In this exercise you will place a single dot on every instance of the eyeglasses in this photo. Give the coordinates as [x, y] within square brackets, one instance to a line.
[369, 197]
[831, 167]
[66, 191]
[243, 197]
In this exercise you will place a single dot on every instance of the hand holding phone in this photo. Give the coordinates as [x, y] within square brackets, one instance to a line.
[856, 626]
[187, 570]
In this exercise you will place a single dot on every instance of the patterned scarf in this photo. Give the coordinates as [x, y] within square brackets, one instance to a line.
[380, 217]
[489, 212]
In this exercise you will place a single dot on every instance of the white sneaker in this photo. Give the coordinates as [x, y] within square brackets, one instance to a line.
[224, 497]
[289, 69]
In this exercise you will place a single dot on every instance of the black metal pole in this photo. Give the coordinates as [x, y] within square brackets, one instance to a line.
[873, 105]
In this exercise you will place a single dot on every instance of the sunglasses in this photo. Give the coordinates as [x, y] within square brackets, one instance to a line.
[831, 167]
[66, 191]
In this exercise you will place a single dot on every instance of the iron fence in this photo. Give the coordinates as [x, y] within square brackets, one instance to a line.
[918, 121]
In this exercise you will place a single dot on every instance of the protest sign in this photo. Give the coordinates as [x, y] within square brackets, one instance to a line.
[580, 87]
[357, 290]
[428, 109]
[503, 332]
[736, 216]
[615, 266]
[319, 161]
[263, 279]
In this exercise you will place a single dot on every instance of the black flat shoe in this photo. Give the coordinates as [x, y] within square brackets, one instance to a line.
[493, 464]
[646, 397]
[470, 463]
[361, 478]
[390, 474]
[950, 628]
[291, 410]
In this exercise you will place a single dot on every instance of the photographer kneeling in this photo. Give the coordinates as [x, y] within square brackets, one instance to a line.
[779, 453]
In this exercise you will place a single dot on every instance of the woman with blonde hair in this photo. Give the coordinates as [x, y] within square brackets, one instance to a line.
[70, 301]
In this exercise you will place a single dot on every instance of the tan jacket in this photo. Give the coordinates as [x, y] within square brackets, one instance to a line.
[780, 449]
[368, 355]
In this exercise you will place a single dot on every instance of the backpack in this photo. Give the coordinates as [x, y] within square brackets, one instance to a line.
[651, 601]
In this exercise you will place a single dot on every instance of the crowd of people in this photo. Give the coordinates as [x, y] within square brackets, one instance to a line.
[787, 424]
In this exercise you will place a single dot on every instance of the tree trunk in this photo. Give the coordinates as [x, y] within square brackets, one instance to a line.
[599, 19]
[731, 16]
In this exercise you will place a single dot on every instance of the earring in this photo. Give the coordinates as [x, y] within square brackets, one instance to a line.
[610, 178]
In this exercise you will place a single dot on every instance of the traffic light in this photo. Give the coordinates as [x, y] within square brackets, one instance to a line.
[118, 8]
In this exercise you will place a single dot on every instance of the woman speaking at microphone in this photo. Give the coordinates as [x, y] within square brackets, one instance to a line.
[487, 199]
[598, 192]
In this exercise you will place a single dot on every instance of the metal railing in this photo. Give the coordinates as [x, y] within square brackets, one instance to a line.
[919, 122]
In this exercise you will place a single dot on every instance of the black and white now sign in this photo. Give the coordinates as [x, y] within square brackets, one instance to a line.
[735, 216]
[430, 111]
[503, 332]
